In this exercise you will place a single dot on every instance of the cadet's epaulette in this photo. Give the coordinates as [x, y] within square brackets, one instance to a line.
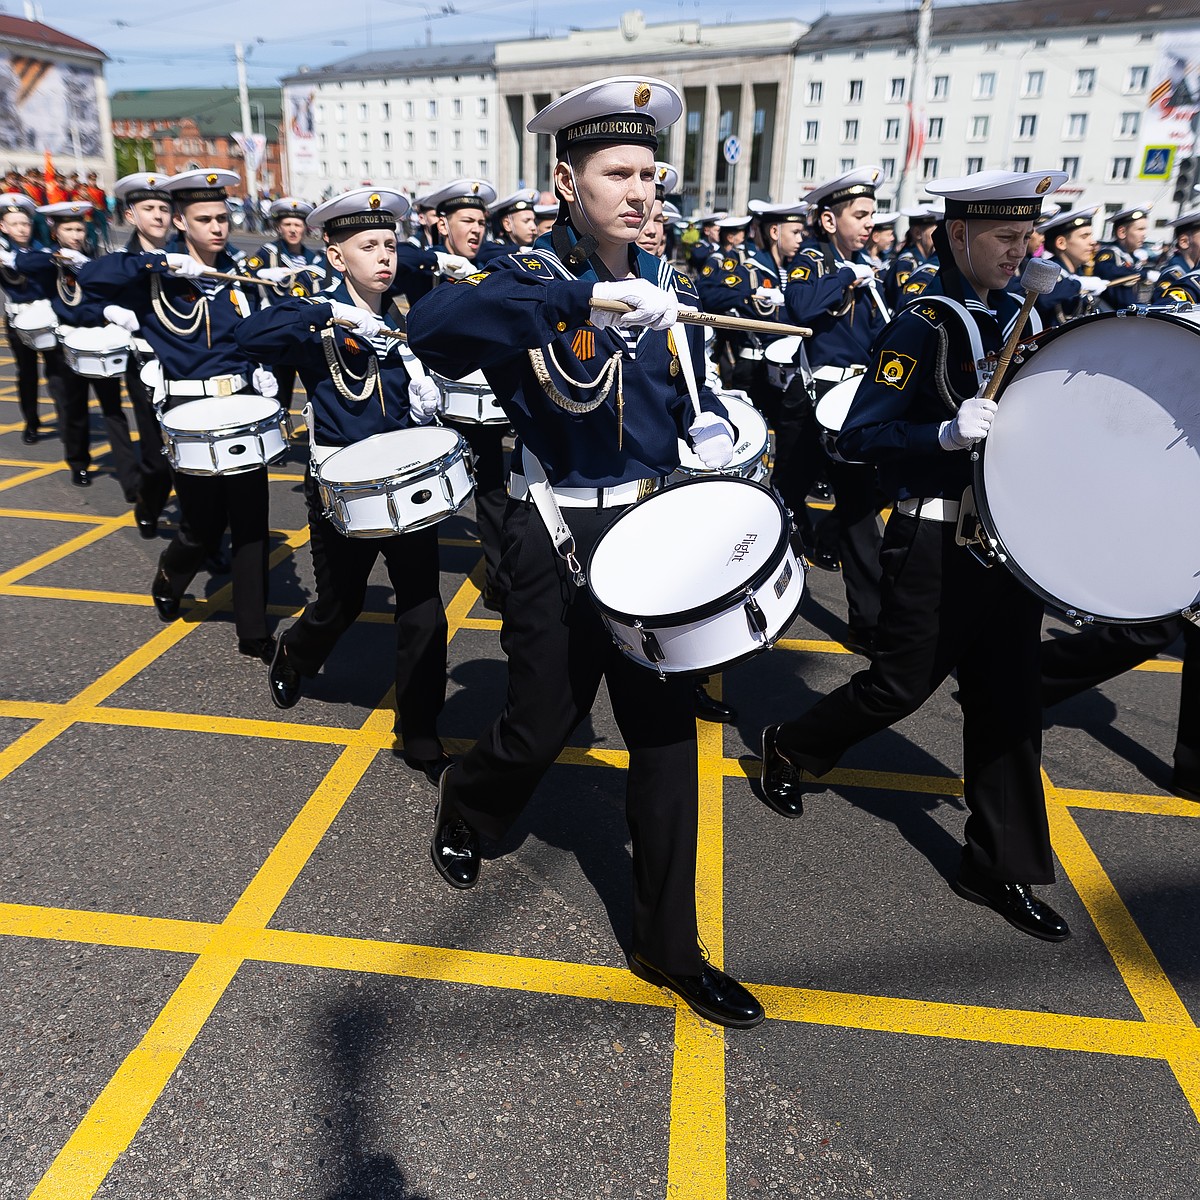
[533, 264]
[254, 263]
[1105, 255]
[932, 314]
[683, 284]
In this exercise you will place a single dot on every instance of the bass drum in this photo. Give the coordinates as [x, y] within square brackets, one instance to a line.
[1088, 483]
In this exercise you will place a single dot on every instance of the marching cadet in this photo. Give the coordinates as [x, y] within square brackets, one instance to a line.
[424, 234]
[1184, 260]
[294, 268]
[360, 382]
[514, 227]
[832, 290]
[914, 254]
[17, 211]
[56, 273]
[1116, 260]
[878, 250]
[422, 259]
[189, 319]
[708, 242]
[544, 215]
[590, 447]
[1071, 243]
[944, 610]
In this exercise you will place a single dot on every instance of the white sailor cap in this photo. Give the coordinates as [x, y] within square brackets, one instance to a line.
[709, 218]
[16, 202]
[1181, 224]
[145, 185]
[885, 220]
[1050, 209]
[359, 208]
[923, 214]
[204, 183]
[733, 222]
[997, 195]
[627, 109]
[1128, 215]
[66, 210]
[460, 193]
[289, 206]
[862, 181]
[523, 198]
[541, 211]
[784, 214]
[666, 178]
[671, 213]
[1066, 222]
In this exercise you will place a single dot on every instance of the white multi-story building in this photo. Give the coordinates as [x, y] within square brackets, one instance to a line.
[404, 118]
[1018, 86]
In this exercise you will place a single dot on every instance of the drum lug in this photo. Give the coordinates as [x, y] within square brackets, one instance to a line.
[1191, 614]
[650, 647]
[755, 617]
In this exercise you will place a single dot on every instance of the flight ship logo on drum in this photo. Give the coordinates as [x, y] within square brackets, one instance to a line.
[742, 548]
[895, 369]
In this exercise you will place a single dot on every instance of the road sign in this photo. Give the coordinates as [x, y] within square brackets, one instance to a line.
[1157, 162]
[732, 149]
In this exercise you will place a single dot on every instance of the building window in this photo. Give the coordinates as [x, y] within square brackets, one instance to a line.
[408, 109]
[1136, 79]
[484, 167]
[808, 168]
[387, 167]
[1032, 84]
[1121, 169]
[321, 141]
[457, 107]
[1129, 124]
[1071, 166]
[344, 167]
[849, 131]
[339, 112]
[340, 141]
[985, 85]
[434, 168]
[387, 139]
[929, 168]
[431, 111]
[410, 139]
[816, 90]
[979, 128]
[366, 169]
[899, 89]
[1076, 126]
[891, 129]
[933, 129]
[888, 166]
[481, 106]
[1084, 82]
[323, 169]
[1020, 165]
[410, 168]
[362, 112]
[481, 139]
[364, 140]
[812, 130]
[385, 110]
[1027, 126]
[321, 113]
[844, 165]
[939, 88]
[974, 165]
[431, 139]
[456, 168]
[854, 91]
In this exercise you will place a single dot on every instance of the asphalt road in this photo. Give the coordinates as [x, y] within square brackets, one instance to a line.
[229, 968]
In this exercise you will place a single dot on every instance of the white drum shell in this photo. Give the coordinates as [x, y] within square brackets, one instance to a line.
[224, 435]
[726, 628]
[35, 324]
[395, 482]
[831, 412]
[779, 355]
[469, 399]
[751, 452]
[95, 352]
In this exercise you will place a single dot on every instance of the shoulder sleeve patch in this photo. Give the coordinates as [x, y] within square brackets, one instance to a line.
[1105, 256]
[254, 262]
[707, 270]
[1179, 294]
[895, 369]
[475, 279]
[683, 284]
[800, 274]
[732, 280]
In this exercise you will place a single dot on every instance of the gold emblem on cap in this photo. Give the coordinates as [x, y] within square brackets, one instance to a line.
[1043, 186]
[210, 177]
[373, 200]
[474, 189]
[150, 181]
[641, 95]
[662, 174]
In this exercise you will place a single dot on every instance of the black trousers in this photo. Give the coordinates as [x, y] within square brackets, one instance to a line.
[26, 359]
[558, 652]
[491, 495]
[943, 610]
[210, 504]
[856, 525]
[342, 566]
[70, 393]
[154, 488]
[285, 376]
[1073, 664]
[799, 460]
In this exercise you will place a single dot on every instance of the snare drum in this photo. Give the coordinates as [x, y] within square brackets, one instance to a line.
[780, 366]
[395, 482]
[697, 577]
[223, 435]
[751, 451]
[1088, 483]
[469, 399]
[831, 413]
[35, 324]
[95, 351]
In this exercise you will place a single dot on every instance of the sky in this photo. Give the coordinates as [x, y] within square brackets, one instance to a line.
[174, 43]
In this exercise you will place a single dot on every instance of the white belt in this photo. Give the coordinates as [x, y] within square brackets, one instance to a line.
[609, 497]
[931, 508]
[750, 352]
[218, 385]
[837, 374]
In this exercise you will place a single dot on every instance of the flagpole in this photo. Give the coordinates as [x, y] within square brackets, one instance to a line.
[905, 191]
[247, 132]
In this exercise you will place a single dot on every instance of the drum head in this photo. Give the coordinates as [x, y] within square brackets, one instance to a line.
[752, 440]
[211, 414]
[782, 350]
[1090, 476]
[37, 314]
[475, 377]
[685, 547]
[96, 339]
[835, 404]
[387, 455]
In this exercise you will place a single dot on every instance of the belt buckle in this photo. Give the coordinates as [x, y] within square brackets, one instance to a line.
[224, 385]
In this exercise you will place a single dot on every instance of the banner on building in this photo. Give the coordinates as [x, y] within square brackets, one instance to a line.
[1173, 100]
[301, 138]
[253, 147]
[48, 107]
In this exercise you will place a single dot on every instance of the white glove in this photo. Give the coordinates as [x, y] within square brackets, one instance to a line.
[772, 296]
[123, 318]
[264, 383]
[73, 257]
[276, 274]
[424, 400]
[652, 306]
[862, 273]
[712, 439]
[8, 258]
[185, 264]
[454, 265]
[1090, 285]
[971, 424]
[365, 324]
[1152, 276]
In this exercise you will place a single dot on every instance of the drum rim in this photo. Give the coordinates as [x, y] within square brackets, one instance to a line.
[979, 488]
[222, 432]
[459, 448]
[717, 604]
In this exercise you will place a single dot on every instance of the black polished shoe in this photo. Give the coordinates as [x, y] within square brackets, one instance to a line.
[29, 436]
[860, 641]
[455, 846]
[492, 599]
[1184, 792]
[782, 786]
[821, 557]
[283, 680]
[821, 491]
[710, 709]
[432, 768]
[217, 563]
[261, 648]
[1015, 902]
[165, 603]
[147, 525]
[81, 478]
[717, 997]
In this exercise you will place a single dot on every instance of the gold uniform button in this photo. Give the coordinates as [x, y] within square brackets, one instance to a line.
[561, 327]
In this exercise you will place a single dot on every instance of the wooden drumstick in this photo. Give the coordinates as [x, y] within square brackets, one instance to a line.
[691, 316]
[1038, 278]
